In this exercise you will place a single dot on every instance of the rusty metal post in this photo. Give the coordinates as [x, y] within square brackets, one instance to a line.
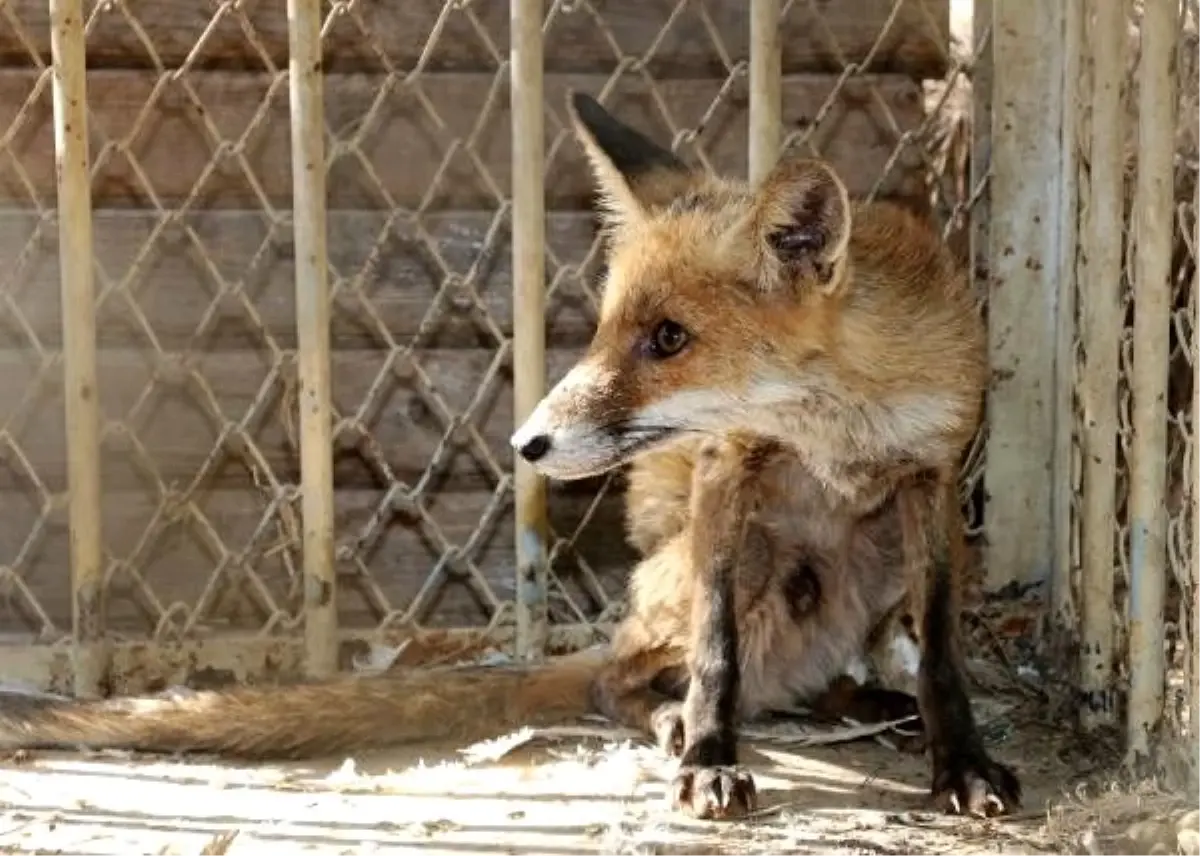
[306, 83]
[529, 302]
[79, 343]
[766, 88]
[1154, 228]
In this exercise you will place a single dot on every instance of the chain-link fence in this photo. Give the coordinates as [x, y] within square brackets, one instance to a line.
[337, 249]
[1132, 586]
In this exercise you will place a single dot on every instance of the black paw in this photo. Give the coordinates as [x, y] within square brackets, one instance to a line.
[879, 704]
[667, 722]
[714, 793]
[972, 783]
[894, 704]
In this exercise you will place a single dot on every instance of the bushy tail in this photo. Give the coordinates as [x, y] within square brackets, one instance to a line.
[314, 719]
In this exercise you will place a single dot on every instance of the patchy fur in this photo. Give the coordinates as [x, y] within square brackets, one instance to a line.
[836, 349]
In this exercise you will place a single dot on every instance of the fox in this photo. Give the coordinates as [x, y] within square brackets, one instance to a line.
[818, 367]
[790, 380]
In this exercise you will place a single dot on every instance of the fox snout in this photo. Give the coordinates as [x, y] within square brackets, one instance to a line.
[531, 443]
[549, 440]
[572, 434]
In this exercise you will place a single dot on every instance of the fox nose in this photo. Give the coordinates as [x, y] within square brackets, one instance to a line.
[535, 448]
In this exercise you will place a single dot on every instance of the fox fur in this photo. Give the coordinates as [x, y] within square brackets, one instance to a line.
[803, 373]
[793, 434]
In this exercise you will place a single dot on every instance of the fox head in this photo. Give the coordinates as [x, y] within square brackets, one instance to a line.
[720, 306]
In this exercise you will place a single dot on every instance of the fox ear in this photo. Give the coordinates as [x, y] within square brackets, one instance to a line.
[633, 173]
[801, 227]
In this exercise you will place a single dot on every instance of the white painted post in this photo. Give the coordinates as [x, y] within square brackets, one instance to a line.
[1101, 322]
[529, 323]
[1154, 226]
[1024, 261]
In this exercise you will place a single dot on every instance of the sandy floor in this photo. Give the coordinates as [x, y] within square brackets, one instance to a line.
[580, 795]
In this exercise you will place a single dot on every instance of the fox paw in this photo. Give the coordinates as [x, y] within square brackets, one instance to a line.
[972, 783]
[667, 723]
[714, 793]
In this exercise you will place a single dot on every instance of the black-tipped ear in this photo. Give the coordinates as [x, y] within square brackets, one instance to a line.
[633, 173]
[631, 152]
[802, 220]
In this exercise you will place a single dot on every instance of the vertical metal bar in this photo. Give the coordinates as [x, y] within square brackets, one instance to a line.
[1154, 222]
[306, 84]
[1101, 321]
[529, 301]
[766, 87]
[79, 342]
[1024, 251]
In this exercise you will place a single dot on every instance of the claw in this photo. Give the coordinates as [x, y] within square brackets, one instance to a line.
[714, 793]
[979, 785]
[996, 804]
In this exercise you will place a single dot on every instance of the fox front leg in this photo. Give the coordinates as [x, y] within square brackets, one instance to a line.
[710, 784]
[966, 780]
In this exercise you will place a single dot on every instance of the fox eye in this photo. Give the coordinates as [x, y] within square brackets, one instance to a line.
[668, 339]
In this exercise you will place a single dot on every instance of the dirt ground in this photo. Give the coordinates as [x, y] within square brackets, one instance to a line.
[592, 788]
[602, 792]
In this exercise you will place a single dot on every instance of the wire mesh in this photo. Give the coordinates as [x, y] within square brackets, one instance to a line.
[190, 390]
[1180, 499]
[1179, 453]
[197, 358]
[198, 522]
[34, 594]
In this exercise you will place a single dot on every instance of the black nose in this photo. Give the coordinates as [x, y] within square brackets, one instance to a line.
[536, 448]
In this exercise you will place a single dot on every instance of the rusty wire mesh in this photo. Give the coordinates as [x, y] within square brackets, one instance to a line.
[445, 397]
[198, 514]
[192, 196]
[1180, 453]
[34, 495]
[188, 396]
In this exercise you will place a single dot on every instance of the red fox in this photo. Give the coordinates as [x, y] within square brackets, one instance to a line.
[831, 358]
[793, 380]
